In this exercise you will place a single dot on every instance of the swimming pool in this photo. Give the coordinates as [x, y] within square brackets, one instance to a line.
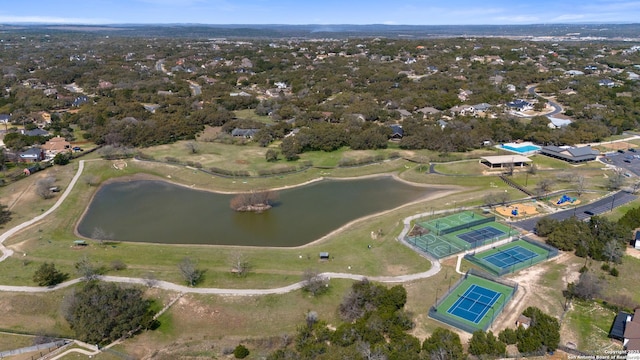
[523, 149]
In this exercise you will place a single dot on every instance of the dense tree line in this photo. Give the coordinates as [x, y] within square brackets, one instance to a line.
[375, 326]
[600, 239]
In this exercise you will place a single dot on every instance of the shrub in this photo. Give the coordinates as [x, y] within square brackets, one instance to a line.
[240, 352]
[605, 267]
[614, 272]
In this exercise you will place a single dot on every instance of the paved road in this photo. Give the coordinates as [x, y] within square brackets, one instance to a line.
[557, 109]
[8, 252]
[598, 207]
[195, 88]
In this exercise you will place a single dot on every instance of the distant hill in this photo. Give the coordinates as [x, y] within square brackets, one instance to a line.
[605, 31]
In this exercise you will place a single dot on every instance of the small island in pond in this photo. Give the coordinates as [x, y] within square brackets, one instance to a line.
[256, 201]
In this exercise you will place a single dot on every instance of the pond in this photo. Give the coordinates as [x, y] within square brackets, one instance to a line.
[160, 212]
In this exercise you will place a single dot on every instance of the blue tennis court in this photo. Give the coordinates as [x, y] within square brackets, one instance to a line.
[474, 304]
[510, 257]
[479, 235]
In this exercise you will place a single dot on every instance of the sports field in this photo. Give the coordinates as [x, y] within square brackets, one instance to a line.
[458, 232]
[516, 255]
[473, 304]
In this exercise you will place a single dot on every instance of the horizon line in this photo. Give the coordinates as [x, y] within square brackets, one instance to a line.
[31, 23]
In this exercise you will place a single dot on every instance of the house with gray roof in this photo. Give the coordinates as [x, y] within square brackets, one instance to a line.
[573, 155]
[245, 133]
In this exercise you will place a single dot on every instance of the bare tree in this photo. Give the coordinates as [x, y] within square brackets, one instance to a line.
[616, 179]
[101, 235]
[544, 186]
[314, 283]
[239, 264]
[190, 272]
[192, 147]
[581, 184]
[87, 269]
[587, 287]
[44, 187]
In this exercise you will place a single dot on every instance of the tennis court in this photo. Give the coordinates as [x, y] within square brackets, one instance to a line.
[477, 236]
[474, 301]
[446, 224]
[516, 255]
[455, 233]
[510, 257]
[474, 304]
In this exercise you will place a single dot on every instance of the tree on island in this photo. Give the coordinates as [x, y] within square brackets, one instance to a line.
[254, 201]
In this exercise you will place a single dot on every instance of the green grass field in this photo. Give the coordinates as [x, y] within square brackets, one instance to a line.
[448, 301]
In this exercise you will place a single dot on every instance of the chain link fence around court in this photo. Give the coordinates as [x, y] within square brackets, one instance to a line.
[449, 320]
[498, 271]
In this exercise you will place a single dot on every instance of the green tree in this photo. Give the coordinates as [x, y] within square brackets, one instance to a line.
[48, 275]
[271, 155]
[443, 344]
[62, 158]
[105, 312]
[240, 352]
[482, 343]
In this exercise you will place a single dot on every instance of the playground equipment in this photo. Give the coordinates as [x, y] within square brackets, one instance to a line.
[565, 199]
[514, 212]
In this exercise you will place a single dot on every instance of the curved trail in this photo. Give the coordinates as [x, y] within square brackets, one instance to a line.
[165, 285]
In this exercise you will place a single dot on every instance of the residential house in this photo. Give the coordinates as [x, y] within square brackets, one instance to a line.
[571, 154]
[556, 122]
[442, 123]
[34, 132]
[5, 118]
[245, 133]
[462, 110]
[463, 95]
[428, 110]
[626, 327]
[607, 83]
[56, 145]
[482, 107]
[520, 105]
[396, 132]
[573, 72]
[31, 155]
[151, 107]
[404, 113]
[79, 100]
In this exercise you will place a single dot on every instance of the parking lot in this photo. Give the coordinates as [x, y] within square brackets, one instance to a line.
[625, 159]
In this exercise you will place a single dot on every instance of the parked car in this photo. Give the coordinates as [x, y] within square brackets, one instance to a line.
[632, 150]
[589, 212]
[621, 151]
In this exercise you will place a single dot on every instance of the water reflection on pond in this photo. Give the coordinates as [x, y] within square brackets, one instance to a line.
[160, 212]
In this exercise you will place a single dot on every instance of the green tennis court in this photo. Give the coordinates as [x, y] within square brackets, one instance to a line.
[516, 255]
[463, 306]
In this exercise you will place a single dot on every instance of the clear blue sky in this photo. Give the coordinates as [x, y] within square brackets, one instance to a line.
[401, 12]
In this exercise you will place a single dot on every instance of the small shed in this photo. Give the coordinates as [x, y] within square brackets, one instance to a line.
[523, 321]
[324, 256]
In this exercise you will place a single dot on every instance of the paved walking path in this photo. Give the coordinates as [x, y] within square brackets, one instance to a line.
[435, 268]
